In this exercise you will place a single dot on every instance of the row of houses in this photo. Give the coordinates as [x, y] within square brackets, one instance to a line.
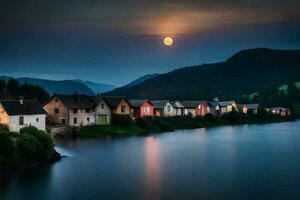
[83, 110]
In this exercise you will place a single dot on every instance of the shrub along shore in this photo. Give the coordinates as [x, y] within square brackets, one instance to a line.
[125, 126]
[32, 147]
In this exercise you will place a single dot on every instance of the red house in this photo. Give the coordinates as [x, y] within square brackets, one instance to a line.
[141, 108]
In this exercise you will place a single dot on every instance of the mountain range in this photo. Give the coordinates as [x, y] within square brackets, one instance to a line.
[66, 86]
[245, 72]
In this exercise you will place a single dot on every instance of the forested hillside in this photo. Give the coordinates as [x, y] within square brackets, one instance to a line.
[244, 73]
[12, 89]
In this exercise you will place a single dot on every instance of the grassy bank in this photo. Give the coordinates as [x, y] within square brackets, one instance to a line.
[29, 148]
[124, 126]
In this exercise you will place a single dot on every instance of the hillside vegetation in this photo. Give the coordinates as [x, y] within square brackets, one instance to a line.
[244, 73]
[12, 89]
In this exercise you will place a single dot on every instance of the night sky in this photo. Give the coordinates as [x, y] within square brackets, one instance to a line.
[121, 40]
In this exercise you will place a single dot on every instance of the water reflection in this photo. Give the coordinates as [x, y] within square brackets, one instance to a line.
[152, 168]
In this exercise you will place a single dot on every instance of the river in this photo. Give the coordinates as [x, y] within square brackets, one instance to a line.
[231, 162]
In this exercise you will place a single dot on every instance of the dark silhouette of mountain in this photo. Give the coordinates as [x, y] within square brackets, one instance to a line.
[141, 79]
[98, 88]
[246, 72]
[61, 87]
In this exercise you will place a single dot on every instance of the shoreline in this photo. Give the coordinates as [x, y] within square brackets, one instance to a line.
[144, 126]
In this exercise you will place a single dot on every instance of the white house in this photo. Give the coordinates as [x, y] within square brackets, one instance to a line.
[17, 114]
[178, 108]
[102, 111]
[162, 108]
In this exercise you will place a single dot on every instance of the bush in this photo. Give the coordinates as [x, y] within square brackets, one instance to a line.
[147, 124]
[28, 129]
[122, 120]
[7, 147]
[29, 147]
[45, 142]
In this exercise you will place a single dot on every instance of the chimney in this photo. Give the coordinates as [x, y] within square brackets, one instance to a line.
[21, 99]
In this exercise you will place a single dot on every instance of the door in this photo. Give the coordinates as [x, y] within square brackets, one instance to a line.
[102, 119]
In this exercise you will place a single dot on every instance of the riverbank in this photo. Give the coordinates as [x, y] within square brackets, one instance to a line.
[124, 126]
[30, 148]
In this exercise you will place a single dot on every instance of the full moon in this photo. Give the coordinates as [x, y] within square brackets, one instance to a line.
[168, 41]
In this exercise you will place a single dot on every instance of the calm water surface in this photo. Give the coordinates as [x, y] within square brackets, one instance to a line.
[242, 162]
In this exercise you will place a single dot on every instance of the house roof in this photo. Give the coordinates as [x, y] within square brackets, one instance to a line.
[97, 99]
[28, 107]
[159, 104]
[76, 101]
[114, 101]
[278, 108]
[213, 103]
[192, 104]
[252, 106]
[175, 104]
[241, 106]
[225, 103]
[138, 102]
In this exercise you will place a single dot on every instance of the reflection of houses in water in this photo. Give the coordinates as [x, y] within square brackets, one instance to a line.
[152, 168]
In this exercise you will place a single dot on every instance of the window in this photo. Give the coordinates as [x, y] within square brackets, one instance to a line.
[21, 120]
[87, 110]
[37, 119]
[63, 121]
[123, 109]
[168, 108]
[88, 119]
[75, 111]
[56, 100]
[102, 106]
[75, 120]
[56, 110]
[146, 109]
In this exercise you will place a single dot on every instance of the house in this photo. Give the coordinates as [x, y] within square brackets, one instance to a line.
[227, 106]
[102, 111]
[17, 114]
[248, 108]
[243, 108]
[118, 105]
[141, 108]
[214, 108]
[253, 108]
[162, 108]
[196, 108]
[71, 110]
[279, 111]
[178, 108]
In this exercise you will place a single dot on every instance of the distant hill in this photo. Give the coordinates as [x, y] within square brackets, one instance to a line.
[61, 87]
[244, 73]
[98, 88]
[141, 79]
